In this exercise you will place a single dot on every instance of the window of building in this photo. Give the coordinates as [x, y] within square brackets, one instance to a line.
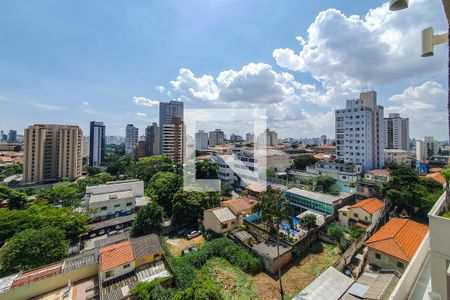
[129, 203]
[366, 218]
[224, 226]
[377, 255]
[356, 215]
[116, 205]
[109, 274]
[126, 266]
[104, 208]
[400, 265]
[344, 213]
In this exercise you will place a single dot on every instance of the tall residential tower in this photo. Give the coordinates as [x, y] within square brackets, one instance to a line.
[168, 110]
[359, 132]
[131, 138]
[96, 144]
[396, 132]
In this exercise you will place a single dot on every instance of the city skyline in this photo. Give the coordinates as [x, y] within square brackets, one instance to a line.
[291, 72]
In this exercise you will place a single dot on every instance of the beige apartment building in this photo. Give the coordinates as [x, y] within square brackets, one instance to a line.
[52, 152]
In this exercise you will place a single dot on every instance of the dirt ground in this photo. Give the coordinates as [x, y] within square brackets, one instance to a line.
[176, 245]
[301, 273]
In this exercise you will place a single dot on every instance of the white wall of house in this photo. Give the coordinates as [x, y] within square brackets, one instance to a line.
[116, 272]
[386, 261]
[210, 222]
[111, 206]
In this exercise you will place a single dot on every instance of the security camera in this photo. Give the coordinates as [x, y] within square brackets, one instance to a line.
[429, 40]
[398, 4]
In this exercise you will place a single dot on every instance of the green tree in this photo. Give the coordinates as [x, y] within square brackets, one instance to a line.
[356, 232]
[100, 178]
[14, 199]
[146, 167]
[41, 215]
[445, 172]
[274, 208]
[32, 248]
[148, 220]
[226, 189]
[117, 164]
[163, 187]
[205, 169]
[188, 207]
[302, 161]
[326, 183]
[65, 194]
[92, 171]
[270, 172]
[308, 221]
[336, 231]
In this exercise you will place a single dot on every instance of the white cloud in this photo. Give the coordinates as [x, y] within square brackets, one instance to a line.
[254, 83]
[160, 88]
[34, 103]
[141, 115]
[145, 101]
[380, 47]
[84, 105]
[425, 106]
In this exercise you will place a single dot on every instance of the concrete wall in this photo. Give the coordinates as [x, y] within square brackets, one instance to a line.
[49, 284]
[95, 208]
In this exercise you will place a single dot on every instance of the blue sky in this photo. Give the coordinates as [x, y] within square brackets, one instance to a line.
[77, 61]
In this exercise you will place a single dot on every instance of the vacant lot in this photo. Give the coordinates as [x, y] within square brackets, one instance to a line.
[301, 272]
[176, 245]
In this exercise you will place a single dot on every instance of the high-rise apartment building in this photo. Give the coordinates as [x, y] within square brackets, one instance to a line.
[96, 144]
[152, 140]
[396, 132]
[216, 137]
[250, 137]
[269, 137]
[168, 110]
[131, 138]
[52, 152]
[427, 148]
[12, 136]
[174, 140]
[359, 132]
[201, 140]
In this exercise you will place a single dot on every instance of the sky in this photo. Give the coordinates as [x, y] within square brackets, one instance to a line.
[72, 62]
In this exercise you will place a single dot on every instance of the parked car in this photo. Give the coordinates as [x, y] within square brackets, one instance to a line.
[101, 232]
[189, 250]
[92, 235]
[192, 234]
[112, 232]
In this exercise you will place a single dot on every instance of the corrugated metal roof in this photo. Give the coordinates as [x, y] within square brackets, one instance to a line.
[321, 197]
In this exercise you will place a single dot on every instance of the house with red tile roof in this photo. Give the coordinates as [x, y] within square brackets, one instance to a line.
[377, 176]
[116, 260]
[395, 244]
[364, 214]
[436, 177]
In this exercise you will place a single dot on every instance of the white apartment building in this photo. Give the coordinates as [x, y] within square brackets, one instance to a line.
[427, 148]
[396, 132]
[216, 137]
[114, 198]
[359, 132]
[343, 172]
[201, 140]
[131, 138]
[225, 172]
[174, 139]
[250, 137]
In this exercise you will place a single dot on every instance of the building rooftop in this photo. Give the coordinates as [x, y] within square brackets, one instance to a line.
[240, 204]
[146, 245]
[321, 197]
[399, 238]
[371, 205]
[437, 177]
[268, 249]
[256, 187]
[223, 214]
[330, 285]
[38, 274]
[86, 258]
[115, 255]
[111, 222]
[95, 198]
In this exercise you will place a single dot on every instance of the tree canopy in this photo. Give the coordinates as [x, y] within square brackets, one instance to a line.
[14, 199]
[188, 206]
[206, 169]
[146, 167]
[302, 161]
[273, 206]
[326, 184]
[148, 220]
[411, 193]
[32, 248]
[162, 189]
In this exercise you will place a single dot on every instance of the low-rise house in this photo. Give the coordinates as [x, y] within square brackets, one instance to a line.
[268, 252]
[394, 245]
[109, 272]
[330, 285]
[364, 214]
[324, 203]
[436, 177]
[219, 219]
[116, 198]
[373, 286]
[377, 176]
[241, 206]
